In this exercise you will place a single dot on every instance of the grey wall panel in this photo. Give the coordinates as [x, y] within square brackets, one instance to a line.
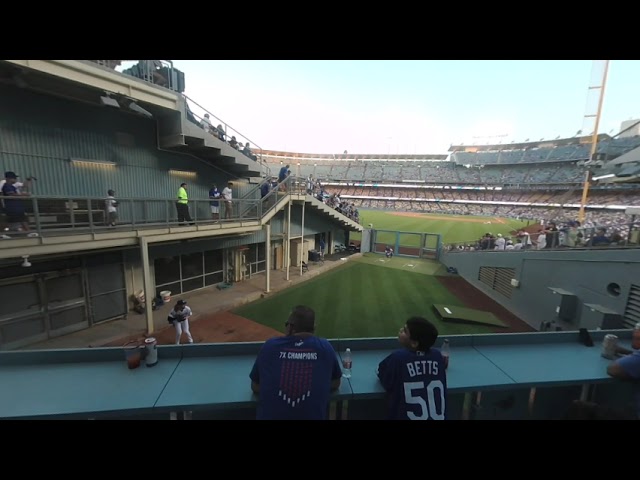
[585, 273]
[314, 221]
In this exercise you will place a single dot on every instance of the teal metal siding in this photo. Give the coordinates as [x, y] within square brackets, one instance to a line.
[171, 249]
[314, 222]
[40, 133]
[242, 188]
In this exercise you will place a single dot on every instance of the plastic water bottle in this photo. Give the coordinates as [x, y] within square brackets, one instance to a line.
[346, 364]
[445, 351]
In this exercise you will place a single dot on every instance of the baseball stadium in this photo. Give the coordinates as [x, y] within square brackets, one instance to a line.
[520, 254]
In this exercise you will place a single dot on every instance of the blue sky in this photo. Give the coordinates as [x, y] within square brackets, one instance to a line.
[408, 106]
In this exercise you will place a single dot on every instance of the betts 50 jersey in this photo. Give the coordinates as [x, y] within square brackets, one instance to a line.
[416, 384]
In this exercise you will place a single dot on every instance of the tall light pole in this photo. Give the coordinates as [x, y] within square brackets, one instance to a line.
[594, 140]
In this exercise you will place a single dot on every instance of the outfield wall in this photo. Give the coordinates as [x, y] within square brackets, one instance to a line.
[588, 284]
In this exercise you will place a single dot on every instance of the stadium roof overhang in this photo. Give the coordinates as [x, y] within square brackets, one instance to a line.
[621, 173]
[624, 169]
[146, 100]
[523, 145]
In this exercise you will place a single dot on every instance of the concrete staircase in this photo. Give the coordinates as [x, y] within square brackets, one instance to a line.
[315, 204]
[179, 132]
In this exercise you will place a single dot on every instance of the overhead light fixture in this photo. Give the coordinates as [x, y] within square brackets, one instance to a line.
[602, 177]
[138, 109]
[182, 173]
[90, 161]
[107, 101]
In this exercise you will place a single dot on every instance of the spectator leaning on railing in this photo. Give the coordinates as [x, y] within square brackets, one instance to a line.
[294, 375]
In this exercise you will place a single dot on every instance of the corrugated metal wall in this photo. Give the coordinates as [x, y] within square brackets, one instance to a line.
[313, 222]
[171, 249]
[40, 133]
[246, 188]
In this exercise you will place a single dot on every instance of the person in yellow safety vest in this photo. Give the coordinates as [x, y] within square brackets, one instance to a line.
[182, 205]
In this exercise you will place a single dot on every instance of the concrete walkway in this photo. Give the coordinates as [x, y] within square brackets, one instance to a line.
[205, 301]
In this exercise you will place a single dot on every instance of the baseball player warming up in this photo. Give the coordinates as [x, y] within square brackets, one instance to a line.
[179, 318]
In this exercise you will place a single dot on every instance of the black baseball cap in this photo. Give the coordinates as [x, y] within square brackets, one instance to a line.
[182, 302]
[10, 175]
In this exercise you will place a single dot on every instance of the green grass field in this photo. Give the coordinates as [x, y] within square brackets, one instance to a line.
[364, 298]
[372, 296]
[461, 228]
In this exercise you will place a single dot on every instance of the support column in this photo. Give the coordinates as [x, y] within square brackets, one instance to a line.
[267, 257]
[148, 284]
[302, 239]
[288, 259]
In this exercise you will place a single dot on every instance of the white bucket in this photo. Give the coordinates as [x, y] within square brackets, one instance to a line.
[166, 296]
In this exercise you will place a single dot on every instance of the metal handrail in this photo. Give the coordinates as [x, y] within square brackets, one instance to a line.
[60, 215]
[227, 128]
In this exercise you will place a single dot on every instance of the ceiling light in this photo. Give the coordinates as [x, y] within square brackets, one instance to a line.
[138, 109]
[182, 173]
[109, 102]
[91, 161]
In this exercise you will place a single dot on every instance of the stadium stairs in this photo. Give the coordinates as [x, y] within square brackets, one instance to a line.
[179, 133]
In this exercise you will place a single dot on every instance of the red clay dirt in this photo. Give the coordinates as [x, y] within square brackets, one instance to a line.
[225, 327]
[471, 297]
[215, 328]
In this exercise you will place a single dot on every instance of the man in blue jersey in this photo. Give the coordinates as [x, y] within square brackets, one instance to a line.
[628, 368]
[414, 376]
[214, 195]
[295, 374]
[282, 175]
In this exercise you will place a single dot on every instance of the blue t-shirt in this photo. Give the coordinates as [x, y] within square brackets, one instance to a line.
[631, 366]
[214, 193]
[264, 189]
[416, 383]
[12, 206]
[295, 375]
[282, 174]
